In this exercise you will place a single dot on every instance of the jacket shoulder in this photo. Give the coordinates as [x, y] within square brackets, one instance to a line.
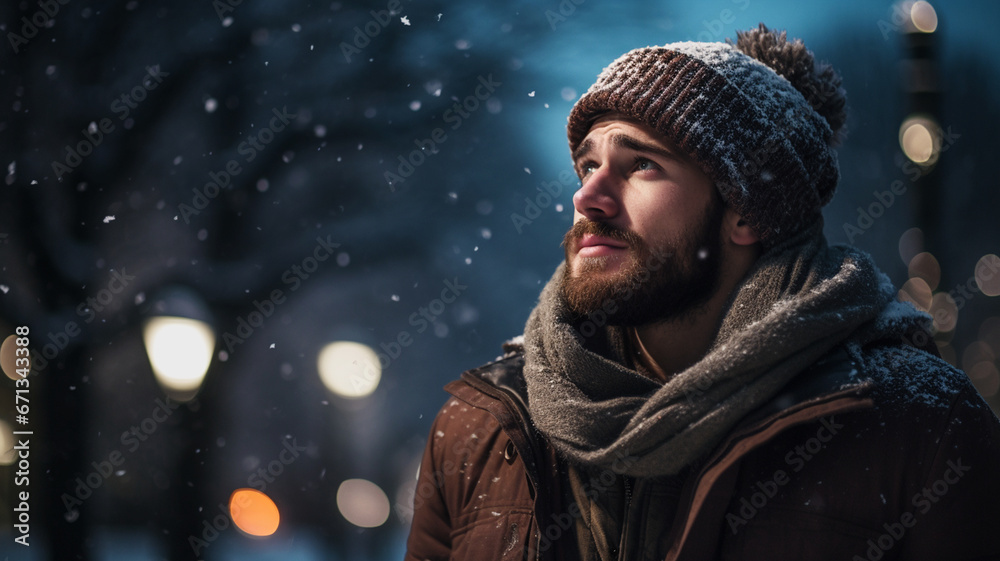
[906, 378]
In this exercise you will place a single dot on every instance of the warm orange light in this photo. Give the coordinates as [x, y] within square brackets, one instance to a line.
[253, 512]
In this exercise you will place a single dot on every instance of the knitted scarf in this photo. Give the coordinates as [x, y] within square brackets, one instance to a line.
[799, 300]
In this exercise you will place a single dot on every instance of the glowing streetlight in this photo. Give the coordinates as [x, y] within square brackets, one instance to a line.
[920, 139]
[179, 342]
[349, 369]
[363, 503]
[923, 17]
[253, 512]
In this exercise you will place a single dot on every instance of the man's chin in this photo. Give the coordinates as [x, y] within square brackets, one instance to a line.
[597, 267]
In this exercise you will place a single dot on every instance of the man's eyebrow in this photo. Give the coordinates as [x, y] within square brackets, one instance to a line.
[629, 143]
[582, 150]
[632, 143]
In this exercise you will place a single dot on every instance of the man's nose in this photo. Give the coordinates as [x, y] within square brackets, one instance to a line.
[597, 198]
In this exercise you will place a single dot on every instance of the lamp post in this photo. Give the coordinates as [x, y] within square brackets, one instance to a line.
[180, 343]
[920, 133]
[351, 371]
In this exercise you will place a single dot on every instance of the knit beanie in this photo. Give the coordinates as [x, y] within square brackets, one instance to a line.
[760, 117]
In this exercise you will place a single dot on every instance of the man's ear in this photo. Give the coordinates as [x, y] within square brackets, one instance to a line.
[737, 229]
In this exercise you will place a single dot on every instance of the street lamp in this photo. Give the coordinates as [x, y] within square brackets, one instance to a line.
[348, 369]
[179, 342]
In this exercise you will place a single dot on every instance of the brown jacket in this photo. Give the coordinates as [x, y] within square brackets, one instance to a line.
[833, 468]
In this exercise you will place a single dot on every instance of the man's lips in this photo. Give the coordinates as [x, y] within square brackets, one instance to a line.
[591, 245]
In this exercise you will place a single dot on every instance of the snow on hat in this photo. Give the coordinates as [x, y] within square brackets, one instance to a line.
[760, 117]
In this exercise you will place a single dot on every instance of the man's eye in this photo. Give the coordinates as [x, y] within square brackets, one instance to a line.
[642, 164]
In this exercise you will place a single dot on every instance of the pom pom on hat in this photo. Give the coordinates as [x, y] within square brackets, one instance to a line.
[817, 81]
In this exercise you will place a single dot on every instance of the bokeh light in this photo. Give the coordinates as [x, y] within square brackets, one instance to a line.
[925, 266]
[349, 369]
[8, 357]
[944, 312]
[7, 453]
[918, 292]
[919, 139]
[363, 503]
[924, 17]
[975, 353]
[180, 350]
[988, 275]
[910, 244]
[254, 512]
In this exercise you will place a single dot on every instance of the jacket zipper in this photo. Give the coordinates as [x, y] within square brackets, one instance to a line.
[622, 541]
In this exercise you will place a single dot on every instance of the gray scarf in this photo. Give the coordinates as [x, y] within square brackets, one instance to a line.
[798, 301]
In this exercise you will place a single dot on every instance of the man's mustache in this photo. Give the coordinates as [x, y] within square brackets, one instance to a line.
[602, 229]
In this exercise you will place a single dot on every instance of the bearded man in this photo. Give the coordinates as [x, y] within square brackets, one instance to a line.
[704, 377]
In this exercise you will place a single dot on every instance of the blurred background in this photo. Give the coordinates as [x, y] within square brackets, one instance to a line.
[251, 240]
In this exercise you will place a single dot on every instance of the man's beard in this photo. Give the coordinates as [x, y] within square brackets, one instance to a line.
[668, 280]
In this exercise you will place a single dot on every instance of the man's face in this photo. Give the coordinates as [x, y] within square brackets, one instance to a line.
[646, 237]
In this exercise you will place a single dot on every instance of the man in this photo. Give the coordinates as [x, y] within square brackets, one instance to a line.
[704, 377]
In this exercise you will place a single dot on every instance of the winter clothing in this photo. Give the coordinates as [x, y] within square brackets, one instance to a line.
[799, 301]
[891, 457]
[876, 449]
[759, 117]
